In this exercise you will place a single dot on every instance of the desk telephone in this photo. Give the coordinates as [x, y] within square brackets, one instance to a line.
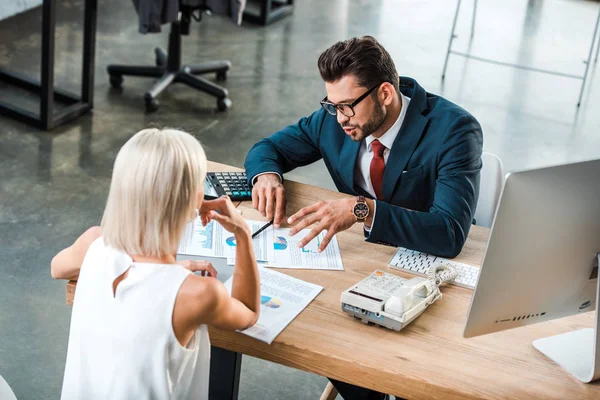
[394, 302]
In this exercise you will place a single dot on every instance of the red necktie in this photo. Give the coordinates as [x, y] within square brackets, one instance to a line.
[377, 167]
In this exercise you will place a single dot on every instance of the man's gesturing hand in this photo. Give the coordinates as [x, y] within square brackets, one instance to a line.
[268, 197]
[333, 215]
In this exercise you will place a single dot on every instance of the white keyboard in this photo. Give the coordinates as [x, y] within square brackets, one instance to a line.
[419, 263]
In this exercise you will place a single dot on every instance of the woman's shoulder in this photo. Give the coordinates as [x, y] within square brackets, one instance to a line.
[200, 295]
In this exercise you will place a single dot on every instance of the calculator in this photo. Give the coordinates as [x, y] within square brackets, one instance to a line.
[232, 184]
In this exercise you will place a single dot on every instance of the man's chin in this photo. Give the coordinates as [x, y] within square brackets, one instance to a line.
[357, 135]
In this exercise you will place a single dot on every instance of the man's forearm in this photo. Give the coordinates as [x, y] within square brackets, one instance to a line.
[430, 232]
[254, 178]
[293, 146]
[262, 158]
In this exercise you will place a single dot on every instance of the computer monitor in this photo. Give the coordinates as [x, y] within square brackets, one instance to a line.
[541, 261]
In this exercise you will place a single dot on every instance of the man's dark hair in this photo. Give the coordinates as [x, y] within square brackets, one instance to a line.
[362, 57]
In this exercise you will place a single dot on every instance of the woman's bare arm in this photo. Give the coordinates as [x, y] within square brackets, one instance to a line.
[67, 263]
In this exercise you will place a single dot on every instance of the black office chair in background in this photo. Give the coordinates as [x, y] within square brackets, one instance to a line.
[168, 68]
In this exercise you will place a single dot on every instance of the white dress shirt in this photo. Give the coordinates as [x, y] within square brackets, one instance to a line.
[362, 169]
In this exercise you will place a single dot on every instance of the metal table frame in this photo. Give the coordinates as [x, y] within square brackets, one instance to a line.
[270, 11]
[557, 73]
[77, 105]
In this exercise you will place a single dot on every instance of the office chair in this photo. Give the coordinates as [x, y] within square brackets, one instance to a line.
[492, 179]
[169, 70]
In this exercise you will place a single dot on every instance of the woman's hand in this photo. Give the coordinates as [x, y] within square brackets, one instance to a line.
[205, 267]
[223, 211]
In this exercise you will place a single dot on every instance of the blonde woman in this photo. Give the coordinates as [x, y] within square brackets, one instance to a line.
[139, 320]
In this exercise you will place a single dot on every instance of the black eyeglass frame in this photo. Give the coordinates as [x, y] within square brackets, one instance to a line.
[339, 107]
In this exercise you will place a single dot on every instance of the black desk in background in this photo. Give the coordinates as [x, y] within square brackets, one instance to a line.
[264, 12]
[76, 105]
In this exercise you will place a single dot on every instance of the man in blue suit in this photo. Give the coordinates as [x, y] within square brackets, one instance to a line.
[411, 158]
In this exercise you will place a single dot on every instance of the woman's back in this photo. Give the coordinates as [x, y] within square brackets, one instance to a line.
[129, 318]
[121, 343]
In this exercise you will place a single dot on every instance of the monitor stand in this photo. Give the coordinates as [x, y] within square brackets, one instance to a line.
[576, 351]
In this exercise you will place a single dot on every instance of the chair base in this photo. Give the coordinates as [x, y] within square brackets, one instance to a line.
[169, 70]
[185, 74]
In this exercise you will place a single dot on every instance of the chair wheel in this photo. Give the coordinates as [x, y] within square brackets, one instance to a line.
[151, 103]
[116, 81]
[223, 104]
[221, 75]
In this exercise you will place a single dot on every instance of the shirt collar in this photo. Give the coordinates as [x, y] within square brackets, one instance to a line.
[388, 138]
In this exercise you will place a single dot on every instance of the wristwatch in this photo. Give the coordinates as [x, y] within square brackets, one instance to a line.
[361, 209]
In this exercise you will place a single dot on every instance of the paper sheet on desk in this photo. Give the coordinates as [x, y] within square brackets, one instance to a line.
[287, 254]
[213, 240]
[282, 298]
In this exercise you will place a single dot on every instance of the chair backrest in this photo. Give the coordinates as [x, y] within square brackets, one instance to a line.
[6, 392]
[492, 179]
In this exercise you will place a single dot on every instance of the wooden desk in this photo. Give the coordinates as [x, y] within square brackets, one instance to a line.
[428, 359]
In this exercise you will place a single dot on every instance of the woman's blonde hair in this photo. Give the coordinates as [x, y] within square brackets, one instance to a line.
[153, 193]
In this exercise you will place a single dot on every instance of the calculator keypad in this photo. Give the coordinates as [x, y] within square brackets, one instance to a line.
[235, 185]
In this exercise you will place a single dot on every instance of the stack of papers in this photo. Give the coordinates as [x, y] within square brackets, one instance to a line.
[282, 298]
[272, 247]
[213, 240]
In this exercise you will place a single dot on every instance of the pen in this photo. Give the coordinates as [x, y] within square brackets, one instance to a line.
[265, 226]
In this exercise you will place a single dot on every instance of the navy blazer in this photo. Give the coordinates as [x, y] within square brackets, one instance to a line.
[431, 178]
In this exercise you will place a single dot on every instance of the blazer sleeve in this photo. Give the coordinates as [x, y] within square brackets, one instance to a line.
[442, 230]
[293, 146]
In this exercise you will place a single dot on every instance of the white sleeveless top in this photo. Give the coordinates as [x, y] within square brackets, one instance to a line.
[123, 346]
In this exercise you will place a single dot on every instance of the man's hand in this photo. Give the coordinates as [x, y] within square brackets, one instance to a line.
[268, 197]
[333, 215]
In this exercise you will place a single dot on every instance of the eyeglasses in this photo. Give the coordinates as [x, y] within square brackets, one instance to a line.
[345, 108]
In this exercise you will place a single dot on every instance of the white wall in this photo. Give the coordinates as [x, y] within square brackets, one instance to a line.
[12, 7]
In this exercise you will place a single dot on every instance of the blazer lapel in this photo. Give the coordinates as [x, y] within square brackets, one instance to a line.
[348, 158]
[360, 191]
[406, 142]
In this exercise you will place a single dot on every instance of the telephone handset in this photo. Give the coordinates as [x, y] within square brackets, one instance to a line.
[412, 297]
[394, 302]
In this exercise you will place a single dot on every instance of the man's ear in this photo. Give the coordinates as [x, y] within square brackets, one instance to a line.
[387, 93]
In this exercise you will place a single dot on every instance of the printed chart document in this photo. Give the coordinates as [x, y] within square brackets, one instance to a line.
[282, 298]
[289, 255]
[213, 240]
[272, 247]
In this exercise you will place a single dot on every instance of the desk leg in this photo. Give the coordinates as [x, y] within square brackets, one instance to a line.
[225, 368]
[89, 52]
[47, 74]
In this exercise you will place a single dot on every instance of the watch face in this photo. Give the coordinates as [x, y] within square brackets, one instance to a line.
[361, 210]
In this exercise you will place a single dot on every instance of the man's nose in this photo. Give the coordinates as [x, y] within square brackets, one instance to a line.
[341, 118]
